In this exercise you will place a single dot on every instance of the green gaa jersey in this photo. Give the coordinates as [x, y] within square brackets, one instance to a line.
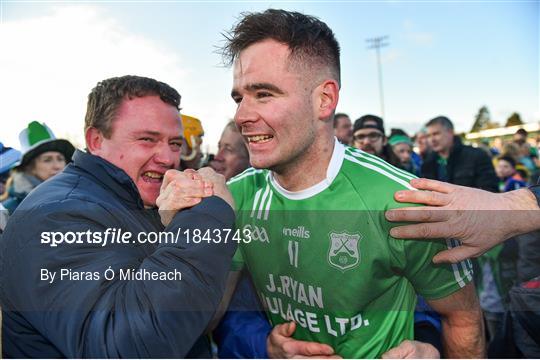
[324, 258]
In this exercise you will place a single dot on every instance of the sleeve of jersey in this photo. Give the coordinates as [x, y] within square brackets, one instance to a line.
[430, 280]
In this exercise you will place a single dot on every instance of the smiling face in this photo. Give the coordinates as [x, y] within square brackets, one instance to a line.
[275, 106]
[145, 142]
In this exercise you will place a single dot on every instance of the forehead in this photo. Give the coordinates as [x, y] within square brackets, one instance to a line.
[344, 120]
[402, 146]
[435, 128]
[148, 113]
[264, 61]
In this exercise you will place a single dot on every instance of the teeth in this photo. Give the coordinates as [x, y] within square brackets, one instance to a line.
[259, 138]
[153, 175]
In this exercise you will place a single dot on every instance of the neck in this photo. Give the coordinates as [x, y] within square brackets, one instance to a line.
[309, 169]
[445, 153]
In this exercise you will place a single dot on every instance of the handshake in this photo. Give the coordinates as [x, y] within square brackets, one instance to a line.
[184, 189]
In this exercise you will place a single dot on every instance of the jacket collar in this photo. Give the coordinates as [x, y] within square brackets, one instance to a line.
[108, 175]
[457, 146]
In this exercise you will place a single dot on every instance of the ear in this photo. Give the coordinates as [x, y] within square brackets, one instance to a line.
[328, 96]
[94, 140]
[385, 140]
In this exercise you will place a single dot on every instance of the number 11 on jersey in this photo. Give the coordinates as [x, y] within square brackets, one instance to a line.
[293, 253]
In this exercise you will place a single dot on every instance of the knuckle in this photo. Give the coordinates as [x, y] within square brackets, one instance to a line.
[424, 231]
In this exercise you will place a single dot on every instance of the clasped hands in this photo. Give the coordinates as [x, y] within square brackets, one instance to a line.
[185, 189]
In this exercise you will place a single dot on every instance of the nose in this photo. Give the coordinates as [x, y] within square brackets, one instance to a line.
[166, 157]
[58, 165]
[365, 141]
[245, 113]
[219, 156]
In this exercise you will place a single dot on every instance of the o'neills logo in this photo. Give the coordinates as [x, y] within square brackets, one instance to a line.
[299, 232]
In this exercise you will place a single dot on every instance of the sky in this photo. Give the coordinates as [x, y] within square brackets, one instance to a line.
[443, 58]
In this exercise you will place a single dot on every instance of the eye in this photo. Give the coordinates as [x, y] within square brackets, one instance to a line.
[237, 99]
[263, 94]
[176, 145]
[147, 139]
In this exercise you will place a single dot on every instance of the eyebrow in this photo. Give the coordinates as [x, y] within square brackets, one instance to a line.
[259, 86]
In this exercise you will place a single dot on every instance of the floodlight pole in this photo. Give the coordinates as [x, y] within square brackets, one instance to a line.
[377, 43]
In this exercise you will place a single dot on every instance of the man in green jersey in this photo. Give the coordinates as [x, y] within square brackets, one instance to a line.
[320, 252]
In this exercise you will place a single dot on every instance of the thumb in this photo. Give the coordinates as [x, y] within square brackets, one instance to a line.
[288, 329]
[395, 353]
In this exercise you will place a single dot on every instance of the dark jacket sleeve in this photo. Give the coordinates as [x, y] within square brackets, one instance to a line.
[485, 176]
[98, 318]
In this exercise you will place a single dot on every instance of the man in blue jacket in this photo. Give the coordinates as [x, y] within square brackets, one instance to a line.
[82, 272]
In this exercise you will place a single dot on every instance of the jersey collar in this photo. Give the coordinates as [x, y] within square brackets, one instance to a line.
[333, 169]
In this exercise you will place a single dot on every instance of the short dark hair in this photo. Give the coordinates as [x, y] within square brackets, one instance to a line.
[308, 38]
[105, 99]
[337, 116]
[441, 120]
[509, 160]
[522, 132]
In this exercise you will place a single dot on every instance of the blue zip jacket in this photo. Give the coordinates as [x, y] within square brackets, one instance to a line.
[85, 314]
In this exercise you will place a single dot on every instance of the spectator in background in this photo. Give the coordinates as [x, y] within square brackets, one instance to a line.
[192, 156]
[368, 135]
[527, 154]
[43, 157]
[484, 146]
[9, 157]
[512, 150]
[497, 268]
[403, 148]
[453, 162]
[244, 314]
[422, 143]
[343, 128]
[509, 178]
[232, 157]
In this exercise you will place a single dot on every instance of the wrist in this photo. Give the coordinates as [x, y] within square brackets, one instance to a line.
[525, 216]
[522, 199]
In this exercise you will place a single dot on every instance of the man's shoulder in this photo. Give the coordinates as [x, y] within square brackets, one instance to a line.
[250, 178]
[374, 180]
[470, 152]
[366, 171]
[65, 190]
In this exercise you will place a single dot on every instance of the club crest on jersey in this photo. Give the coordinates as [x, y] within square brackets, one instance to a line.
[344, 253]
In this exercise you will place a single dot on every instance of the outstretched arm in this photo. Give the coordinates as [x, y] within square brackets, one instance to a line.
[478, 218]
